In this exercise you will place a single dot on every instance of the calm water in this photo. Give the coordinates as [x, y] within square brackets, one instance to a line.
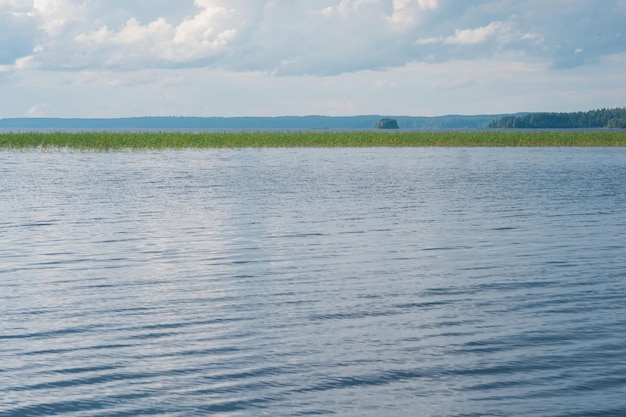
[286, 282]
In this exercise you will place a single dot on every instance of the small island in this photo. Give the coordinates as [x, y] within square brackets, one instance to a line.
[387, 123]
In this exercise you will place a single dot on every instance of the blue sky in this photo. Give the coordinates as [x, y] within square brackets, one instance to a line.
[117, 58]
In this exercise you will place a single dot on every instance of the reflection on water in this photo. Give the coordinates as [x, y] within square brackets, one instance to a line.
[286, 282]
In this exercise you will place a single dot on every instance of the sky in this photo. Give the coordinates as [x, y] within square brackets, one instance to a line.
[126, 58]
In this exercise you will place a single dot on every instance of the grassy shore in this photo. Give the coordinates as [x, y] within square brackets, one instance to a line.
[177, 140]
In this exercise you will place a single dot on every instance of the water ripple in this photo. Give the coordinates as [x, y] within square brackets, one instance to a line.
[293, 282]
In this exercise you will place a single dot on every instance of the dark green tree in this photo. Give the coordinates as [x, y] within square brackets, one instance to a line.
[577, 120]
[618, 123]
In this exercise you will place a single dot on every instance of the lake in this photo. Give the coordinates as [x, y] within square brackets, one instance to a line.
[292, 282]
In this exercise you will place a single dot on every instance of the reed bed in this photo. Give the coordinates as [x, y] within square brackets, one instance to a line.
[105, 141]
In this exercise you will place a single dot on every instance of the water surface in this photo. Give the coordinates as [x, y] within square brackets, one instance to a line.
[285, 282]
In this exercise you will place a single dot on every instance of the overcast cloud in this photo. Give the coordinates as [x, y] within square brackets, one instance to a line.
[109, 58]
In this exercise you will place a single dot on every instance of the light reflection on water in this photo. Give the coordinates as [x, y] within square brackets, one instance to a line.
[299, 281]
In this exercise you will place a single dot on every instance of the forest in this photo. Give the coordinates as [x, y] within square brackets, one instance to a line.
[601, 118]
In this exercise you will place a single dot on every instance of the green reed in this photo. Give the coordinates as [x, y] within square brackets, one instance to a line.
[181, 140]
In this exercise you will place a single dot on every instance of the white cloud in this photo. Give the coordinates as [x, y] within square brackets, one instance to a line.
[475, 36]
[54, 14]
[300, 36]
[204, 35]
[533, 37]
[15, 6]
[408, 13]
[37, 110]
[27, 62]
[428, 4]
[431, 40]
[346, 7]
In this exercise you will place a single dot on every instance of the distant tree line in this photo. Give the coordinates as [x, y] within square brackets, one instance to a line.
[611, 118]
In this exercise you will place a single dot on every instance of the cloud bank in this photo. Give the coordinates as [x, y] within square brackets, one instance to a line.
[115, 58]
[300, 37]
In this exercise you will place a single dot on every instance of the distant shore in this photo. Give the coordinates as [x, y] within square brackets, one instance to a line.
[275, 139]
[253, 123]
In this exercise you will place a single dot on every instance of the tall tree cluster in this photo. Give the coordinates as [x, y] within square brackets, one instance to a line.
[611, 118]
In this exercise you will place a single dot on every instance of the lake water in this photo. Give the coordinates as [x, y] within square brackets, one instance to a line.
[292, 282]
